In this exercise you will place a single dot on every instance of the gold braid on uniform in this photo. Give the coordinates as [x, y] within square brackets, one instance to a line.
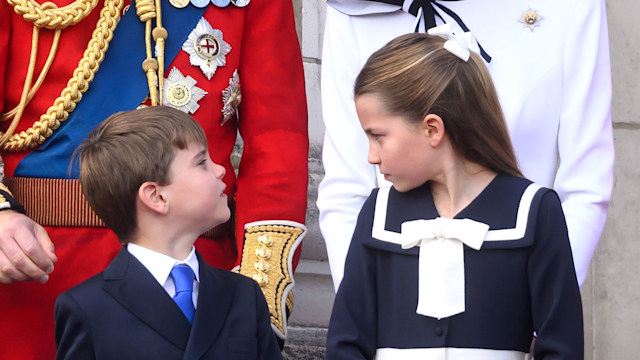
[49, 16]
[147, 10]
[266, 257]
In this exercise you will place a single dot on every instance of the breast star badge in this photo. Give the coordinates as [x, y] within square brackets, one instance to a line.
[530, 19]
[206, 48]
[231, 98]
[181, 92]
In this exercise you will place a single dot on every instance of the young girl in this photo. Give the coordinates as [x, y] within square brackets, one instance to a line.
[462, 258]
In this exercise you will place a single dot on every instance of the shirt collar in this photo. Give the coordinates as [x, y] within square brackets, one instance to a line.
[160, 265]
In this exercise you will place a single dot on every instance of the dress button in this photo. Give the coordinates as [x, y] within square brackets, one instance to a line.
[438, 331]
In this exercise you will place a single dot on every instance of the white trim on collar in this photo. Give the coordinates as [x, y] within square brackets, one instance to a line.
[380, 215]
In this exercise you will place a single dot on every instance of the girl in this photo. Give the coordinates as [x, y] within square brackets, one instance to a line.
[462, 258]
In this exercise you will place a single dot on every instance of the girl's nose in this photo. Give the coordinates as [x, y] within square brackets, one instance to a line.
[373, 158]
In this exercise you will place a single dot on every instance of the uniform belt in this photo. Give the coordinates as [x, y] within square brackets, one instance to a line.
[60, 202]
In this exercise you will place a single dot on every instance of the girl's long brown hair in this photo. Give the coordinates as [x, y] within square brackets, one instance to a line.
[415, 76]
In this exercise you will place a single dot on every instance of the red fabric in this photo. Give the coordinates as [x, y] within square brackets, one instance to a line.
[272, 179]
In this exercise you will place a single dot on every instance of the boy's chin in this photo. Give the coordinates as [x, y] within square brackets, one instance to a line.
[222, 216]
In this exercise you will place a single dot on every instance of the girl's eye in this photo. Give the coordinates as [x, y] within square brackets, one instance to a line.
[203, 162]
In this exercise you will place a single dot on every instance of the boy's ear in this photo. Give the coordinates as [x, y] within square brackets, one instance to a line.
[433, 127]
[151, 197]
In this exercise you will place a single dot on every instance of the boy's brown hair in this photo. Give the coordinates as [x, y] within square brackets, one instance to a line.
[126, 150]
[415, 76]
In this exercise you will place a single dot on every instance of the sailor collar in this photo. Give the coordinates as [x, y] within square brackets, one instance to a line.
[516, 232]
[440, 243]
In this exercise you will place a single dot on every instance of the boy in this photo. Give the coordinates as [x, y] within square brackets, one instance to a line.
[148, 176]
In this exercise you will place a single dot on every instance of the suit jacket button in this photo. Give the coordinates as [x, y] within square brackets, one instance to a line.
[438, 331]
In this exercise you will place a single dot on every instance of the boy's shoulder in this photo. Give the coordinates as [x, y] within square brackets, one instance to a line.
[86, 294]
[229, 278]
[89, 285]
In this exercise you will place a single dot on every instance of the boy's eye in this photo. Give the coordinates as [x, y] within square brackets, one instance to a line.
[203, 162]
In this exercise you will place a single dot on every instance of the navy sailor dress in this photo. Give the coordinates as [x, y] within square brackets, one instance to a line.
[519, 280]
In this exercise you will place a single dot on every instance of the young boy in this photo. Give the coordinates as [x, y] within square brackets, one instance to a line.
[147, 174]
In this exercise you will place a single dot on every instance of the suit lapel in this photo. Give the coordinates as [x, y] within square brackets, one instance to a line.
[131, 284]
[214, 300]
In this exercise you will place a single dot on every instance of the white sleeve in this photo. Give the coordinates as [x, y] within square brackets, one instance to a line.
[349, 178]
[584, 180]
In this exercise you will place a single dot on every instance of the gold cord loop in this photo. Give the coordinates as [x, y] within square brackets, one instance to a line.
[45, 70]
[79, 82]
[27, 84]
[49, 16]
[147, 10]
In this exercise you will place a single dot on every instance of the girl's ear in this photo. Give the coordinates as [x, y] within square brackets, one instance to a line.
[151, 197]
[433, 127]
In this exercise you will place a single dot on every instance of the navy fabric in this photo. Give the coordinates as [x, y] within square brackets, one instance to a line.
[512, 287]
[124, 313]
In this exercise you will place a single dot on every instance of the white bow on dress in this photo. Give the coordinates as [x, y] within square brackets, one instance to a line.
[441, 261]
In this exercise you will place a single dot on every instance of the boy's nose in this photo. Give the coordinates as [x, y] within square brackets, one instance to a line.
[220, 171]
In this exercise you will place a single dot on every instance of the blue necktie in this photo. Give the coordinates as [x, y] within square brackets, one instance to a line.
[183, 279]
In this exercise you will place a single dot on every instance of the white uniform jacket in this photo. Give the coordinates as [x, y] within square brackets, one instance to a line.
[554, 85]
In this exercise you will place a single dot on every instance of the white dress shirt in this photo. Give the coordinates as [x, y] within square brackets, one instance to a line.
[160, 265]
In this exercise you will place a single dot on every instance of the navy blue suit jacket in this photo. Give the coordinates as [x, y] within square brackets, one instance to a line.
[123, 313]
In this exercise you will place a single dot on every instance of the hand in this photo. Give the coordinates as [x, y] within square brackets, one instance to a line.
[26, 252]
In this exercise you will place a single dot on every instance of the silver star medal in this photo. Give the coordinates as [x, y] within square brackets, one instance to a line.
[530, 19]
[206, 48]
[231, 98]
[181, 92]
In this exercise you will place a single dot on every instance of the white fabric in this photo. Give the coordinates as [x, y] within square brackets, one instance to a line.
[522, 218]
[459, 45]
[448, 354]
[160, 265]
[554, 85]
[361, 7]
[441, 261]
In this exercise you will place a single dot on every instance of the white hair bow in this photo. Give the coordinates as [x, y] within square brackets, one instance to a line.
[459, 45]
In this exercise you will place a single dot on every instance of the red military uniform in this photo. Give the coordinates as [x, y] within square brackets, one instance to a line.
[270, 185]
